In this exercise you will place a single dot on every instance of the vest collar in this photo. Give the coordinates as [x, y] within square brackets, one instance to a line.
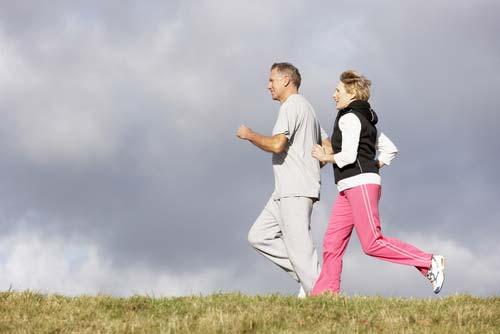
[362, 107]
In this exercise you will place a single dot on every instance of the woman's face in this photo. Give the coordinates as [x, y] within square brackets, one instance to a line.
[341, 97]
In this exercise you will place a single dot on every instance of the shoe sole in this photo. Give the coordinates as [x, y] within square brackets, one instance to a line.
[442, 269]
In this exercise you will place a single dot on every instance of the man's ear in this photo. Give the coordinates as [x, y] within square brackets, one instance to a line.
[286, 80]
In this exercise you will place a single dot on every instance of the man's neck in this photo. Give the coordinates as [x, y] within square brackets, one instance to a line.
[288, 94]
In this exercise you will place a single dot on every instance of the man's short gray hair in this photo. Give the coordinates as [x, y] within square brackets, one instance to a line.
[289, 70]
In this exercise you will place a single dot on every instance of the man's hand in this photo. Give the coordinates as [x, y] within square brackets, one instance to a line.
[244, 132]
[274, 144]
[318, 152]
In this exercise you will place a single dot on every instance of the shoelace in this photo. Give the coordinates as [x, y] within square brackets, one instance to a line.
[431, 276]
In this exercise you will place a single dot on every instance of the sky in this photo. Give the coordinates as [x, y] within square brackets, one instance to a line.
[120, 169]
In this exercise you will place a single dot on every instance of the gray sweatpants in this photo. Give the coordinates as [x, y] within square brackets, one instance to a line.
[282, 234]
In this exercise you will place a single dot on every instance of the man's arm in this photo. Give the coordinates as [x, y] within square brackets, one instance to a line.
[274, 144]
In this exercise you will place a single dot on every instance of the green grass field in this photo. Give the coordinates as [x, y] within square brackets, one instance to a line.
[28, 312]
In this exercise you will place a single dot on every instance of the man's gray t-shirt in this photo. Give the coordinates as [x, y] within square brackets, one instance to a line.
[296, 172]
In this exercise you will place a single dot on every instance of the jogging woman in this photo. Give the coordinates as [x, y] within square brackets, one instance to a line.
[355, 141]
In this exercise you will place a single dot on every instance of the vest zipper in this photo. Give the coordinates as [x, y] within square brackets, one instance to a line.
[359, 165]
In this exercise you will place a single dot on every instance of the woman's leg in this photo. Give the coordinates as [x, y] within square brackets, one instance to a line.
[364, 203]
[335, 242]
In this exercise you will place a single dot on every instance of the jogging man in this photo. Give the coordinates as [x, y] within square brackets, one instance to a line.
[282, 231]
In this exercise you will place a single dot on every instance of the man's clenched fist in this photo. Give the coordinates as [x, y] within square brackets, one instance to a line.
[243, 132]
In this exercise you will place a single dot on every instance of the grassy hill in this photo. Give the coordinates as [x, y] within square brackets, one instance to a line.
[28, 312]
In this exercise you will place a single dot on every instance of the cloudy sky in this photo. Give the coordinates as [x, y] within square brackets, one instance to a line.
[121, 174]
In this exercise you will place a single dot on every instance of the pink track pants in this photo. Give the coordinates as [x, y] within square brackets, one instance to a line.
[358, 207]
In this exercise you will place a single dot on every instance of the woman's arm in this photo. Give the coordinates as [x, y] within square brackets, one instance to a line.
[386, 148]
[350, 126]
[319, 152]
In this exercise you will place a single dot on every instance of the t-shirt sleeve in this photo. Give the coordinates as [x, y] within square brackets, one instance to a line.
[286, 123]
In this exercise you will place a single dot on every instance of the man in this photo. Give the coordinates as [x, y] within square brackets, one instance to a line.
[282, 231]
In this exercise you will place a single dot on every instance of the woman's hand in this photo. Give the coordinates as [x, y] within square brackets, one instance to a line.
[318, 152]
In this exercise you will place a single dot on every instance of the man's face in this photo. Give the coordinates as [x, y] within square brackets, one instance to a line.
[277, 84]
[341, 97]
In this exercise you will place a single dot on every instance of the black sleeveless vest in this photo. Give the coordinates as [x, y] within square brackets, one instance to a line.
[365, 160]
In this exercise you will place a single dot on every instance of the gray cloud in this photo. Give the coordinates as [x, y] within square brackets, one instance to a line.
[118, 125]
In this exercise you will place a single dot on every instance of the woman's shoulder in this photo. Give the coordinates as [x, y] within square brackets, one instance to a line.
[350, 117]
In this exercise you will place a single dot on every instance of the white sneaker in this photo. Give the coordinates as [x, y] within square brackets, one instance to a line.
[302, 293]
[436, 273]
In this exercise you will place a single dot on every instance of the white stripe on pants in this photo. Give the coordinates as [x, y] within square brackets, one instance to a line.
[282, 234]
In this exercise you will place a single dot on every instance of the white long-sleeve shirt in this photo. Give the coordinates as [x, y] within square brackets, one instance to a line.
[350, 126]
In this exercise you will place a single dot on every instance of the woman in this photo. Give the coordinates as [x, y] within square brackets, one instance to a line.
[355, 141]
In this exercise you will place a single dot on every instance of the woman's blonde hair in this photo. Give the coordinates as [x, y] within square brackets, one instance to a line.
[355, 83]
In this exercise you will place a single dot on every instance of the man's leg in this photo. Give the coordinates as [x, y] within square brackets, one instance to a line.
[295, 224]
[335, 242]
[266, 237]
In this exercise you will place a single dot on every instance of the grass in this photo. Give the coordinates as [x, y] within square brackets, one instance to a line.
[29, 312]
